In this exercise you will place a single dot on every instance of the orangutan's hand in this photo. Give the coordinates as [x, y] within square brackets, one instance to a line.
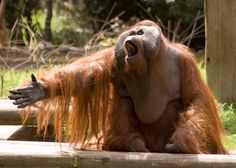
[28, 95]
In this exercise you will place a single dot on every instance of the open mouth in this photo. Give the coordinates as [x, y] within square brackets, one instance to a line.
[131, 48]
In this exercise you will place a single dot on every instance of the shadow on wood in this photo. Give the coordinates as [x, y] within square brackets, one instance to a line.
[29, 133]
[9, 114]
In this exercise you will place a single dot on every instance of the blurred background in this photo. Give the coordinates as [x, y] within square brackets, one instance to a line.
[97, 22]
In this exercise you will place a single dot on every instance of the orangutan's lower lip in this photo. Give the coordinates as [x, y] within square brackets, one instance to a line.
[131, 48]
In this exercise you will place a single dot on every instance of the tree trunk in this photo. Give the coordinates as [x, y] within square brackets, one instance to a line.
[220, 18]
[4, 41]
[48, 31]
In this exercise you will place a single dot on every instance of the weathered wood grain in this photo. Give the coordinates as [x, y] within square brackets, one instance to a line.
[220, 18]
[41, 154]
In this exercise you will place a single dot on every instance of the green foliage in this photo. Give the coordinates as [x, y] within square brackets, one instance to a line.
[19, 20]
[107, 42]
[146, 9]
[230, 142]
[30, 37]
[17, 8]
[69, 29]
[69, 16]
[185, 10]
[143, 9]
[228, 114]
[201, 67]
[65, 29]
[176, 17]
[11, 79]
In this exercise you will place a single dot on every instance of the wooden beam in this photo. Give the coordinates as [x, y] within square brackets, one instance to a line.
[9, 114]
[7, 130]
[47, 154]
[35, 154]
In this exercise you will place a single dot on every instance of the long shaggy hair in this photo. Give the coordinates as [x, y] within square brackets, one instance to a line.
[79, 111]
[82, 98]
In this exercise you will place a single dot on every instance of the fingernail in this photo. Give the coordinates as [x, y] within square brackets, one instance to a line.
[33, 78]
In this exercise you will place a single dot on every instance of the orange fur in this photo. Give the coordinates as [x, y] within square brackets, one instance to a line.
[200, 124]
[81, 106]
[89, 100]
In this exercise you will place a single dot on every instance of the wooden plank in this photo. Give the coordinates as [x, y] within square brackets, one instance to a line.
[7, 130]
[35, 154]
[9, 114]
[149, 160]
[47, 154]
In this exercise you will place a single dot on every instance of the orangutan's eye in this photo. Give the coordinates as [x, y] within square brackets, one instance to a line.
[140, 32]
[132, 33]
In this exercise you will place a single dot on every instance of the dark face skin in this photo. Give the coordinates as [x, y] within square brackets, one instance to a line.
[143, 68]
[137, 46]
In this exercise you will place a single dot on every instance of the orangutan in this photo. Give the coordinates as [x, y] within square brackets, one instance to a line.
[144, 94]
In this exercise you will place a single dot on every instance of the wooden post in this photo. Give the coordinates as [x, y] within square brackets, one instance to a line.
[47, 154]
[220, 16]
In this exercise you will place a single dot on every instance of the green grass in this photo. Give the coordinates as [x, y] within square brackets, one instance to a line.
[230, 142]
[227, 112]
[11, 79]
[228, 115]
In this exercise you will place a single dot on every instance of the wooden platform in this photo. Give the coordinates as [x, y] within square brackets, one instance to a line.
[49, 154]
[9, 114]
[45, 154]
